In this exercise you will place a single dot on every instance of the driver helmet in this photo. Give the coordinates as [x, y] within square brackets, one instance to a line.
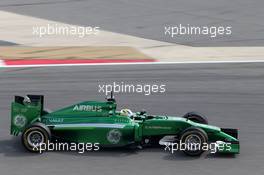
[26, 100]
[126, 112]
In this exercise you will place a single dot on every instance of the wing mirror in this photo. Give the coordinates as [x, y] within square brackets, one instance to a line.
[142, 112]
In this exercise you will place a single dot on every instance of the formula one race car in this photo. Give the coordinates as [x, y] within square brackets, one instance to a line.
[100, 122]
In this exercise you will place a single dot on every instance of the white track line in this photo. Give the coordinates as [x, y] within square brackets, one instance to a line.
[139, 63]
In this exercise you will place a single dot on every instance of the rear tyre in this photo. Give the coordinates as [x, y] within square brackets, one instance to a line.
[35, 136]
[193, 139]
[196, 117]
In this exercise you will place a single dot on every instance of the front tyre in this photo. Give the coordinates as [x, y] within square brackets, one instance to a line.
[35, 136]
[193, 140]
[196, 117]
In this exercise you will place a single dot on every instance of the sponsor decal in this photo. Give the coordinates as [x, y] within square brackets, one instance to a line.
[157, 127]
[20, 121]
[114, 136]
[90, 108]
[56, 120]
[121, 120]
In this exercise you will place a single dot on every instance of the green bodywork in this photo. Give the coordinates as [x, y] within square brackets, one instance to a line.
[100, 122]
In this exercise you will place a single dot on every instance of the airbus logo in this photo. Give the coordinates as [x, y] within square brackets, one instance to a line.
[90, 108]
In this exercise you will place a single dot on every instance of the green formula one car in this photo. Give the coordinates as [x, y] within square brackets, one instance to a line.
[100, 122]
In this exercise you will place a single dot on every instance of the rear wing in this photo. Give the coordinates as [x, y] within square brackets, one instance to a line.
[24, 111]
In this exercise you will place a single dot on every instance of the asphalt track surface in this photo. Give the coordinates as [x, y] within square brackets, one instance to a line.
[147, 19]
[230, 95]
